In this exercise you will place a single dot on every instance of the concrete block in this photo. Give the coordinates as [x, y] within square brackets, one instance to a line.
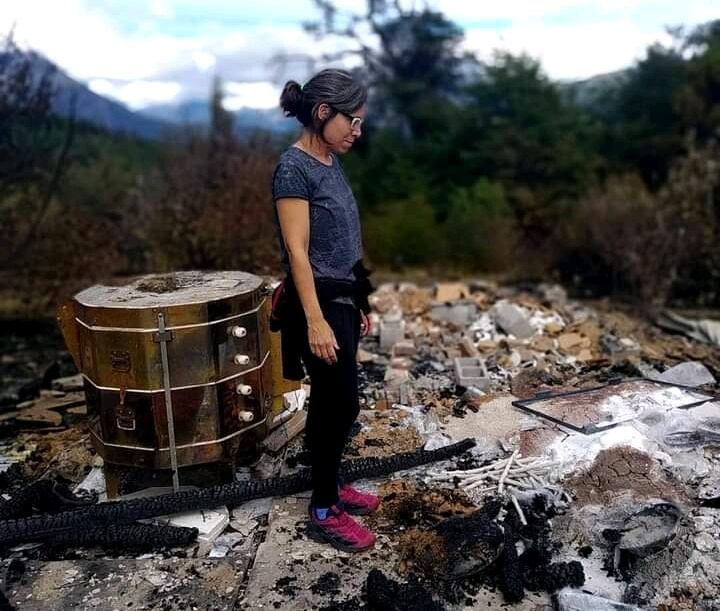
[512, 320]
[471, 371]
[392, 331]
[460, 313]
[404, 348]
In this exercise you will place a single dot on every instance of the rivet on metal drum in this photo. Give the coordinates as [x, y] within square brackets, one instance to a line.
[238, 331]
[244, 389]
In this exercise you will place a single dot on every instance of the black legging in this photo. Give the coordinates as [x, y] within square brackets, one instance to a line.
[334, 403]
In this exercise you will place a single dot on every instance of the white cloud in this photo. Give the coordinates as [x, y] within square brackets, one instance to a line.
[147, 61]
[647, 12]
[162, 9]
[204, 60]
[86, 43]
[137, 94]
[461, 10]
[572, 51]
[251, 95]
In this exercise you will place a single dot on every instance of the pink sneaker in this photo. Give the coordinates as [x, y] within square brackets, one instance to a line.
[356, 502]
[341, 531]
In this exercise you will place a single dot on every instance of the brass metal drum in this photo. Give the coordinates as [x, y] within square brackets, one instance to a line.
[176, 366]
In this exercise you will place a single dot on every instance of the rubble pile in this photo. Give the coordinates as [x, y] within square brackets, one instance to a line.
[592, 484]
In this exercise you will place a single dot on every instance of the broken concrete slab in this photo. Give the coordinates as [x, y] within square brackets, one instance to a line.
[572, 600]
[511, 319]
[210, 524]
[295, 573]
[692, 373]
[128, 583]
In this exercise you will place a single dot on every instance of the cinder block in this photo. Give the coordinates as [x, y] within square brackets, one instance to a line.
[471, 371]
[392, 331]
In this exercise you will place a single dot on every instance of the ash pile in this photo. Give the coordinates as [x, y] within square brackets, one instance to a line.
[593, 482]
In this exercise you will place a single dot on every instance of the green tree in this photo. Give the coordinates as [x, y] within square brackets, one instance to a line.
[481, 215]
[519, 130]
[645, 132]
[698, 101]
[404, 234]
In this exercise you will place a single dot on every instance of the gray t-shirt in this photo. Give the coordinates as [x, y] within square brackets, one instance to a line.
[335, 237]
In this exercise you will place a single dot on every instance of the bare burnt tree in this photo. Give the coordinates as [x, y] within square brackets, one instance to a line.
[409, 57]
[214, 211]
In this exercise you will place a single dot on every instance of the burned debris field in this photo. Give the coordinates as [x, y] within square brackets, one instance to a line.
[530, 452]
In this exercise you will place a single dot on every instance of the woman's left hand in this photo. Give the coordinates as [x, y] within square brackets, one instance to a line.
[365, 325]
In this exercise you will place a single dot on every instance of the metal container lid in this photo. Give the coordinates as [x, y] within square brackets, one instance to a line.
[185, 297]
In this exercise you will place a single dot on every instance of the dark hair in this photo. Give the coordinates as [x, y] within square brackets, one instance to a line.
[337, 88]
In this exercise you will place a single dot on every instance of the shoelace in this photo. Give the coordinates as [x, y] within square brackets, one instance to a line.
[348, 526]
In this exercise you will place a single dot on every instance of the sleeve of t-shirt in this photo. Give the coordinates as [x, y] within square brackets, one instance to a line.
[290, 181]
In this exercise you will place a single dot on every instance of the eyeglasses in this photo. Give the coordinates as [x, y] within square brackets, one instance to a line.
[356, 123]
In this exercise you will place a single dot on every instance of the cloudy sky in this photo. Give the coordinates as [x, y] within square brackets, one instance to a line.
[146, 52]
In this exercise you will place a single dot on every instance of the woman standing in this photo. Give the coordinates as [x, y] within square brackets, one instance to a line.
[323, 309]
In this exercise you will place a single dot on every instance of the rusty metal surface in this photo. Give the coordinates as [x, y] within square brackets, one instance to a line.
[218, 403]
[280, 385]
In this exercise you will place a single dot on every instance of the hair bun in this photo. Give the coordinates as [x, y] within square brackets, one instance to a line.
[291, 98]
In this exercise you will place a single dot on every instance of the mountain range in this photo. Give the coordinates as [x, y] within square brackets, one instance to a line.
[153, 121]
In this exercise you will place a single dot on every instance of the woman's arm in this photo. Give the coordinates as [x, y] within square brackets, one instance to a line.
[294, 215]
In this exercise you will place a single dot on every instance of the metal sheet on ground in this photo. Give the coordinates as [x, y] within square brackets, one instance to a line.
[596, 409]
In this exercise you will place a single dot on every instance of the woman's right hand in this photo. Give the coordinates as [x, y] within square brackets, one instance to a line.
[322, 341]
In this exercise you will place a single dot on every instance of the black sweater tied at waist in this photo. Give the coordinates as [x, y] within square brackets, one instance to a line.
[288, 315]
